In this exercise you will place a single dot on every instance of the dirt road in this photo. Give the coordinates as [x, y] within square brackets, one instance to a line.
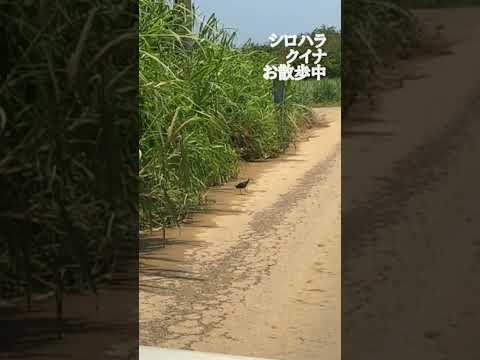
[410, 213]
[257, 274]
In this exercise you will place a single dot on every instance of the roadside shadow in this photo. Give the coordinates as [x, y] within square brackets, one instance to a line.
[365, 119]
[352, 133]
[222, 211]
[32, 335]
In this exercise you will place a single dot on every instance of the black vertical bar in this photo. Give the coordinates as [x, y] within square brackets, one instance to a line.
[68, 179]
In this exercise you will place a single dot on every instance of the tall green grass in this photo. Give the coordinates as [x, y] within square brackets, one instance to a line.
[326, 92]
[68, 159]
[204, 106]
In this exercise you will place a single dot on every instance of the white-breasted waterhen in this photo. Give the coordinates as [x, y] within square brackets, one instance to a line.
[242, 185]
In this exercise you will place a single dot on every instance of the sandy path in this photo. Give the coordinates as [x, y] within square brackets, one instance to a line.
[410, 241]
[259, 274]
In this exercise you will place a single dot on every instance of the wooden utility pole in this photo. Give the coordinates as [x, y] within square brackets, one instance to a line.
[279, 96]
[187, 5]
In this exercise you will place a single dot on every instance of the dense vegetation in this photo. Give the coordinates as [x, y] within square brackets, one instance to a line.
[376, 34]
[68, 93]
[326, 92]
[204, 106]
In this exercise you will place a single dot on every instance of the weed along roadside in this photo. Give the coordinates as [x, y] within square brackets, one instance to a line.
[204, 109]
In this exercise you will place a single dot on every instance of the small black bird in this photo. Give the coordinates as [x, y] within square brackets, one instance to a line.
[242, 185]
